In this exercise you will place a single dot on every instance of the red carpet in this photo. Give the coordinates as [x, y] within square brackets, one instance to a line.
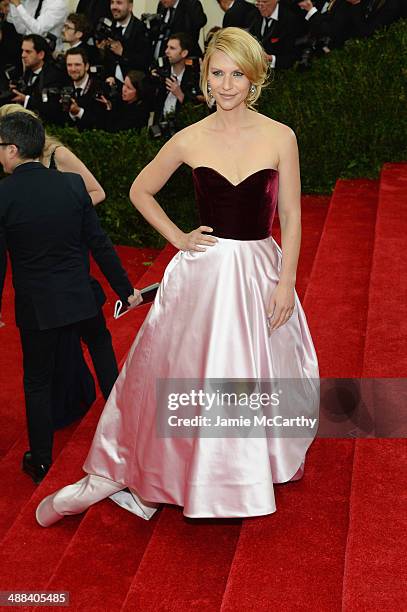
[314, 553]
[376, 549]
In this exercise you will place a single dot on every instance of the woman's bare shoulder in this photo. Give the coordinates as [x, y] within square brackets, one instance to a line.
[187, 140]
[275, 128]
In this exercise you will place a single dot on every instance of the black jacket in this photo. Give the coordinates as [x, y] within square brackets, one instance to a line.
[136, 50]
[46, 219]
[95, 114]
[10, 45]
[187, 86]
[188, 17]
[280, 40]
[240, 15]
[41, 101]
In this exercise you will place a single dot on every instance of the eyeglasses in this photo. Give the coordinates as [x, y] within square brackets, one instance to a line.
[7, 144]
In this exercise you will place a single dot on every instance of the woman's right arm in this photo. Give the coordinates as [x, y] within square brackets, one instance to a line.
[68, 162]
[150, 180]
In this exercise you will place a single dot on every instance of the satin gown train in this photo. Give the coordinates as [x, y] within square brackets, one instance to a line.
[208, 321]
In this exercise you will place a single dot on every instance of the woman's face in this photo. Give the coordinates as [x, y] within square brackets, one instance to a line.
[129, 92]
[229, 85]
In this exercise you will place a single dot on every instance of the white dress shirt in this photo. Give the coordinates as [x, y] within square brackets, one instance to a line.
[171, 100]
[51, 19]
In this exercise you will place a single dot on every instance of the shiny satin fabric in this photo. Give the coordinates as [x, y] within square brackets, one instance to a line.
[208, 320]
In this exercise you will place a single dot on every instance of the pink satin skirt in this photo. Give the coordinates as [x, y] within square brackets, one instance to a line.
[208, 321]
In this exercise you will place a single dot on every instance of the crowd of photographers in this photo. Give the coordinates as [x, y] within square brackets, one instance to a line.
[102, 67]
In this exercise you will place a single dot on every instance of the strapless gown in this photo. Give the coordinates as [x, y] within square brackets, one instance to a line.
[208, 320]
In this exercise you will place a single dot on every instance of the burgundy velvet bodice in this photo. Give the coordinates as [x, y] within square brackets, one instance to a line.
[242, 212]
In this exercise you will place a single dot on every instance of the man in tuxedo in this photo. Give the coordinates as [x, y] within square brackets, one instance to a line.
[178, 16]
[238, 13]
[40, 75]
[46, 219]
[129, 47]
[277, 27]
[75, 32]
[178, 87]
[84, 111]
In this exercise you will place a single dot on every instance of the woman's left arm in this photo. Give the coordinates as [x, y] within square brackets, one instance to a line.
[289, 211]
[68, 162]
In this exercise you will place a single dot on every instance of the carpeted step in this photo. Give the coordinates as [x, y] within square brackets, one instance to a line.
[336, 299]
[294, 559]
[376, 550]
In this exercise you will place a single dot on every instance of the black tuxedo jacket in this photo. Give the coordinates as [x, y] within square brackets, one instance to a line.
[187, 83]
[188, 17]
[95, 114]
[136, 50]
[47, 107]
[46, 220]
[280, 40]
[240, 15]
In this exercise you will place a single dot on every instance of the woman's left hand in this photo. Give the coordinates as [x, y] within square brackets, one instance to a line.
[281, 306]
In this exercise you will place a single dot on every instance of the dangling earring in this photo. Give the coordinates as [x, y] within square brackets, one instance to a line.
[253, 89]
[210, 94]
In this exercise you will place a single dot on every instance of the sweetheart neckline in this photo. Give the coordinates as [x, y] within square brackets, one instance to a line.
[230, 182]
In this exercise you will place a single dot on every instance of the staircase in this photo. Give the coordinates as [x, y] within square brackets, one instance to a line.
[336, 540]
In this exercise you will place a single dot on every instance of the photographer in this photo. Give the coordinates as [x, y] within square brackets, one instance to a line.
[176, 80]
[10, 41]
[132, 110]
[177, 16]
[38, 16]
[81, 105]
[124, 45]
[39, 78]
[277, 27]
[75, 32]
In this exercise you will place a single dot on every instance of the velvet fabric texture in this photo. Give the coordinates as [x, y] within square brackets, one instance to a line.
[242, 212]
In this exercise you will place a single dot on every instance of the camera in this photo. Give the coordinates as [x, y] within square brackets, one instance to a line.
[152, 21]
[14, 79]
[51, 41]
[194, 63]
[162, 67]
[110, 92]
[105, 29]
[163, 129]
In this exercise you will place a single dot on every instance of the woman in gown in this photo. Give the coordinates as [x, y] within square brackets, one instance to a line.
[226, 309]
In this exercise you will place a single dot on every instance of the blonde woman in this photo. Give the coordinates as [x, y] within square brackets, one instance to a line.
[226, 310]
[56, 155]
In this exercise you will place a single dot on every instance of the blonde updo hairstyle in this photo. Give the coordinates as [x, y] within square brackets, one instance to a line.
[51, 143]
[248, 54]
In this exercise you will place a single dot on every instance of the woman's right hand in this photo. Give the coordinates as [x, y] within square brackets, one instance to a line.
[196, 240]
